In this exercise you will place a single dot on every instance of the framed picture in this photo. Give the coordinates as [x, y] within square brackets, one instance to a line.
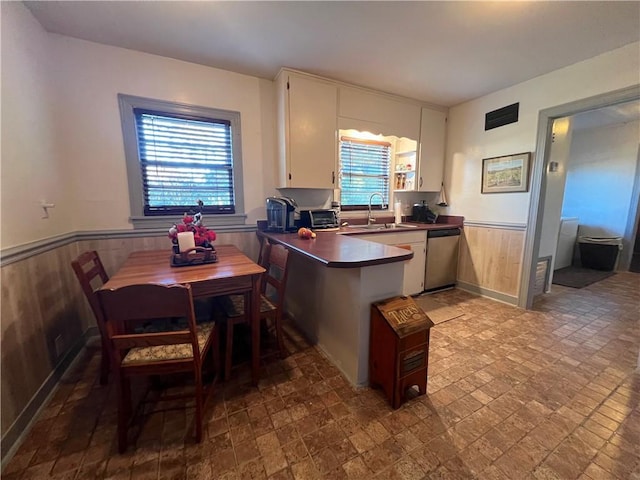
[506, 174]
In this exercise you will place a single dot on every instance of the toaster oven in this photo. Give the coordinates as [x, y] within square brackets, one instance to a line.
[319, 219]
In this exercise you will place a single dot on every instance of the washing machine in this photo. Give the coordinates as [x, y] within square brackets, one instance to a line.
[567, 238]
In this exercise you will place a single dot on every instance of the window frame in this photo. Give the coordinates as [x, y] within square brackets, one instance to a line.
[381, 143]
[128, 104]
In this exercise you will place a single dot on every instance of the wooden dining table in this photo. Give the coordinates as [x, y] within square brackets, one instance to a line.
[233, 273]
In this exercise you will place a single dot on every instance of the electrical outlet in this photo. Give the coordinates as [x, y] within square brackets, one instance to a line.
[59, 345]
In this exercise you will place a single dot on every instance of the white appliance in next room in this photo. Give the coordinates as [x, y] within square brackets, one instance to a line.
[566, 242]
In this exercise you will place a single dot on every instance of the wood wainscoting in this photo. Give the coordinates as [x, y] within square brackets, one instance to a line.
[45, 318]
[490, 260]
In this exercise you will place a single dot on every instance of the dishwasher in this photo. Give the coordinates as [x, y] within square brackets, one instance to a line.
[442, 259]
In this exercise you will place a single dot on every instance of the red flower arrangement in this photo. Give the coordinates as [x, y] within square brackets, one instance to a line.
[202, 236]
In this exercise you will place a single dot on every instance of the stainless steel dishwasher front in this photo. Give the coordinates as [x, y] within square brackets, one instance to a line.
[442, 258]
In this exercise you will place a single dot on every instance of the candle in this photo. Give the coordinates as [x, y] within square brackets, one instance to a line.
[186, 241]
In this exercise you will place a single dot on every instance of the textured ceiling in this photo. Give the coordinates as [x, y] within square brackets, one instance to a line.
[440, 52]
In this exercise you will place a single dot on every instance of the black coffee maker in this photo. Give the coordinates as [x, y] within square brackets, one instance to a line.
[281, 214]
[421, 213]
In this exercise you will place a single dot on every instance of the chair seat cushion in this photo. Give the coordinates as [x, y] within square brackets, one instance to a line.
[233, 305]
[169, 352]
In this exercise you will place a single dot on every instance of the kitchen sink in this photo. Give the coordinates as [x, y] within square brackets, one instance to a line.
[383, 226]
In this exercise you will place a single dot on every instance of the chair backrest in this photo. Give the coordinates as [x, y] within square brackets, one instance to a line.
[87, 268]
[275, 277]
[265, 246]
[124, 308]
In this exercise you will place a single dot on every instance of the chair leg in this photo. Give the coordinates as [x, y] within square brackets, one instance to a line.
[104, 364]
[199, 402]
[278, 321]
[229, 350]
[124, 410]
[216, 351]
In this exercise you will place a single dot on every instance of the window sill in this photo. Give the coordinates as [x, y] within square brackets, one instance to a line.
[210, 221]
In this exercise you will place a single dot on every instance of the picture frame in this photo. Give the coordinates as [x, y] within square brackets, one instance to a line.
[506, 174]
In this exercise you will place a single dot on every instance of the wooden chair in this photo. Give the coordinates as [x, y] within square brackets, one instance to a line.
[88, 268]
[134, 352]
[275, 260]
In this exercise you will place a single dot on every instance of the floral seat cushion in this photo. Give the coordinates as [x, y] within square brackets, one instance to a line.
[233, 305]
[169, 352]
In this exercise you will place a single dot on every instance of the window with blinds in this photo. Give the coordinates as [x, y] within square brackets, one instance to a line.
[184, 159]
[177, 154]
[364, 169]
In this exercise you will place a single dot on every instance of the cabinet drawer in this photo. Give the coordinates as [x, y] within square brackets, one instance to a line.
[412, 360]
[414, 340]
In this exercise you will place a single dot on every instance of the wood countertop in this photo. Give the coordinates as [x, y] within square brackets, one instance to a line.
[342, 248]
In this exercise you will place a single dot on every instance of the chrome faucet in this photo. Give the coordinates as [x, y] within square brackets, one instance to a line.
[370, 218]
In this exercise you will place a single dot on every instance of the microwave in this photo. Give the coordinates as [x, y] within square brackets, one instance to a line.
[319, 219]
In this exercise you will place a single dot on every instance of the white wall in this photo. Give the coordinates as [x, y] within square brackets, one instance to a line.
[62, 138]
[600, 178]
[88, 77]
[560, 153]
[31, 169]
[468, 143]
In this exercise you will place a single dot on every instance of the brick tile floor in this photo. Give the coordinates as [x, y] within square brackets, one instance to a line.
[551, 393]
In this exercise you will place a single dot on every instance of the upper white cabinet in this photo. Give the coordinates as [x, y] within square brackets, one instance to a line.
[378, 112]
[431, 150]
[307, 131]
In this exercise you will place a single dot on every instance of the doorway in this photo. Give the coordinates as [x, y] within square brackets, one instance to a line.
[540, 179]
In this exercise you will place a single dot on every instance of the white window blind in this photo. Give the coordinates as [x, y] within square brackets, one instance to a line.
[364, 169]
[184, 159]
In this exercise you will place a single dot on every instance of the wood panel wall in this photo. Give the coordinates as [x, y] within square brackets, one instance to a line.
[41, 299]
[491, 258]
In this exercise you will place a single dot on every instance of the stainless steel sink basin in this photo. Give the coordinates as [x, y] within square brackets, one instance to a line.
[383, 226]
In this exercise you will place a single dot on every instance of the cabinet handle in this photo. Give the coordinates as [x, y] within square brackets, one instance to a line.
[420, 182]
[333, 177]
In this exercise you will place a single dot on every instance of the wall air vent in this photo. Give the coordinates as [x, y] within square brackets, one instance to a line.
[502, 116]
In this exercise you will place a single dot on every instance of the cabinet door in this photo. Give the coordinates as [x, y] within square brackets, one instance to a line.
[414, 270]
[431, 161]
[312, 142]
[413, 280]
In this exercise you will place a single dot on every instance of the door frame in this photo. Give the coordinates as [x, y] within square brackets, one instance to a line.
[539, 177]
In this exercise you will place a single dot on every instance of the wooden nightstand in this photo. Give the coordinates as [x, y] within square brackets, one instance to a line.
[399, 347]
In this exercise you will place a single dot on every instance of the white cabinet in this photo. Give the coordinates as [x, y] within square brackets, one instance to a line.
[413, 280]
[307, 131]
[381, 113]
[431, 150]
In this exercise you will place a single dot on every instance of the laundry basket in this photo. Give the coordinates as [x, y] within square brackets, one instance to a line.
[599, 253]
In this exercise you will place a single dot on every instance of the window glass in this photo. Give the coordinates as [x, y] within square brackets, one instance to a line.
[364, 169]
[183, 159]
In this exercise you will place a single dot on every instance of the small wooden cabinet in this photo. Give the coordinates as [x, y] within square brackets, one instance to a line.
[399, 347]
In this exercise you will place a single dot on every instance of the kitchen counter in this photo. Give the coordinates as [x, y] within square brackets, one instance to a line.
[342, 249]
[334, 279]
[404, 227]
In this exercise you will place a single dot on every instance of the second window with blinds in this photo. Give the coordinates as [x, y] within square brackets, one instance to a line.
[364, 170]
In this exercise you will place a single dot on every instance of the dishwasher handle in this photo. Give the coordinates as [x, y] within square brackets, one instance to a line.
[449, 232]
